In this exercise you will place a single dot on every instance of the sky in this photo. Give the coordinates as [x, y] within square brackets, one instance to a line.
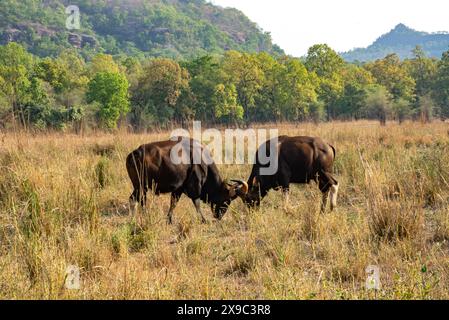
[296, 25]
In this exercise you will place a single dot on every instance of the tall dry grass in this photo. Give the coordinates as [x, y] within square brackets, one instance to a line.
[63, 201]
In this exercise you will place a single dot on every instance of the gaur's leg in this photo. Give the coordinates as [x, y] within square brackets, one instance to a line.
[197, 203]
[136, 173]
[329, 187]
[143, 199]
[334, 195]
[173, 202]
[263, 194]
[138, 196]
[134, 202]
[284, 182]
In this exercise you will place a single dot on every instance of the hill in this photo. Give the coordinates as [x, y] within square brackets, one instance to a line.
[171, 28]
[401, 40]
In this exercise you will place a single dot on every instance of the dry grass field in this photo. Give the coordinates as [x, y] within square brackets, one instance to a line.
[64, 201]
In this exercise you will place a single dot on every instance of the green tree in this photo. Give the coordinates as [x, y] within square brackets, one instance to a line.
[225, 103]
[423, 70]
[296, 90]
[76, 66]
[427, 108]
[287, 90]
[110, 91]
[441, 86]
[327, 65]
[267, 100]
[377, 103]
[133, 70]
[205, 74]
[243, 70]
[54, 72]
[103, 63]
[4, 105]
[356, 81]
[157, 94]
[15, 66]
[402, 110]
[391, 73]
[317, 112]
[75, 82]
[37, 109]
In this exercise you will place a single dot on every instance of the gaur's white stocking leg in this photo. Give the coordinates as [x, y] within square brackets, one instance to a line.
[334, 195]
[134, 202]
[133, 205]
[329, 187]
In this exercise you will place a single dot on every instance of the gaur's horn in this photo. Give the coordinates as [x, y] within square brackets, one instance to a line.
[243, 186]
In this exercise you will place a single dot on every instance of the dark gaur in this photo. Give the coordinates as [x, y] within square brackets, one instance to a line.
[300, 160]
[151, 167]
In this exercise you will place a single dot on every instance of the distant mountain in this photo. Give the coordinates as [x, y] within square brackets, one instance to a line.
[401, 40]
[171, 28]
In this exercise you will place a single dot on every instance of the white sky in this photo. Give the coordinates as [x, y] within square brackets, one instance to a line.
[295, 25]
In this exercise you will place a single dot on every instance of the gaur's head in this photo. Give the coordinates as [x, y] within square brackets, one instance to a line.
[253, 197]
[227, 194]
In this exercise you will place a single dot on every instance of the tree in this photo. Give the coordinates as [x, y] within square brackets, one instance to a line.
[402, 110]
[441, 86]
[243, 70]
[78, 73]
[103, 63]
[324, 61]
[15, 66]
[377, 103]
[426, 108]
[110, 91]
[225, 103]
[317, 112]
[287, 89]
[356, 81]
[393, 75]
[268, 98]
[296, 90]
[157, 94]
[423, 70]
[205, 74]
[75, 81]
[54, 72]
[327, 65]
[37, 107]
[133, 70]
[4, 105]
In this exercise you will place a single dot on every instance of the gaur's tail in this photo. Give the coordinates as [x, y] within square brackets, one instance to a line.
[335, 151]
[134, 166]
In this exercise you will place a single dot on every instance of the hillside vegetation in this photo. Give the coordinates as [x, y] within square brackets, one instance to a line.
[401, 41]
[148, 65]
[171, 28]
[68, 93]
